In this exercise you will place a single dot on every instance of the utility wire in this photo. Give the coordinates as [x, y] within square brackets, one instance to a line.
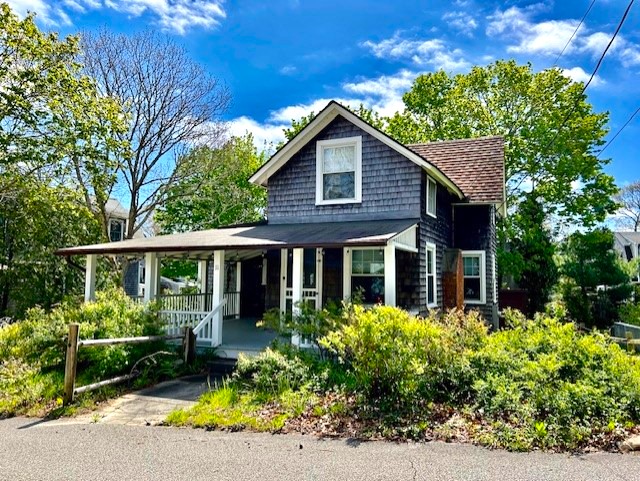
[618, 132]
[575, 105]
[574, 33]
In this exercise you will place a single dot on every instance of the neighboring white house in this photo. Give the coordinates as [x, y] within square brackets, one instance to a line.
[627, 244]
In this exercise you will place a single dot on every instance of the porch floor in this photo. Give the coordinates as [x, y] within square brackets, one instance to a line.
[243, 335]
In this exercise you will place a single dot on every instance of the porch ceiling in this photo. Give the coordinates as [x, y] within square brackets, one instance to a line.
[263, 236]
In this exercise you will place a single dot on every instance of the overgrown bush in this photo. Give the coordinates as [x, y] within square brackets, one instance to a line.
[32, 352]
[398, 359]
[553, 386]
[630, 313]
[537, 383]
[271, 372]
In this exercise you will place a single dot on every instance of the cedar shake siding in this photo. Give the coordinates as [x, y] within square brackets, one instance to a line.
[391, 184]
[475, 229]
[437, 231]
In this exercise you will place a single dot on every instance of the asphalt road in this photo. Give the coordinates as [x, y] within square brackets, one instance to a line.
[46, 451]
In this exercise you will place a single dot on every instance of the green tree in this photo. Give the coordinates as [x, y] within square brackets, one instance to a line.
[531, 254]
[551, 132]
[53, 123]
[221, 194]
[595, 283]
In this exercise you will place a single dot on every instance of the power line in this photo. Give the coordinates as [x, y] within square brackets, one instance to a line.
[618, 132]
[584, 88]
[574, 32]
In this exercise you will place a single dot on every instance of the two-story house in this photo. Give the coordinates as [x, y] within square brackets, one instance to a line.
[349, 210]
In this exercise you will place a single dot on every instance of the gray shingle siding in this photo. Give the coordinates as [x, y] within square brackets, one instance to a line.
[475, 229]
[391, 184]
[437, 231]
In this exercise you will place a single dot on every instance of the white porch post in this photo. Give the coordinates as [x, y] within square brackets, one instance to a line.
[346, 273]
[202, 276]
[390, 274]
[150, 276]
[296, 284]
[217, 295]
[283, 280]
[90, 278]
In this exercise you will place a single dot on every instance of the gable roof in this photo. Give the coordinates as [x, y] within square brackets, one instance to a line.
[475, 165]
[324, 118]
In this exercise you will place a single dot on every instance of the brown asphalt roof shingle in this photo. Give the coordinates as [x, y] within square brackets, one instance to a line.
[476, 166]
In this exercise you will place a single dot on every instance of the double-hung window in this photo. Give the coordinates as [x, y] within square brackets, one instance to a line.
[339, 171]
[431, 275]
[116, 230]
[367, 274]
[431, 191]
[473, 266]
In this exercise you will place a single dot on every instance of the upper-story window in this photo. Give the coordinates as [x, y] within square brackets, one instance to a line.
[431, 191]
[339, 171]
[116, 230]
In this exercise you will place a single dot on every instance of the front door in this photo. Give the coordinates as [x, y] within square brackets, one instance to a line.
[252, 295]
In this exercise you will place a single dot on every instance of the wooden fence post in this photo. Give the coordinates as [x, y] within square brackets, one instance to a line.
[189, 344]
[71, 364]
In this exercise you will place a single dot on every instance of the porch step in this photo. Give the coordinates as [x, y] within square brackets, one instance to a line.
[220, 366]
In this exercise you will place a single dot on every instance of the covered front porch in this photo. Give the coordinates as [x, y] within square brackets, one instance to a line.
[245, 272]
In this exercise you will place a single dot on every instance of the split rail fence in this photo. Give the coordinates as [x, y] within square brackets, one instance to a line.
[74, 343]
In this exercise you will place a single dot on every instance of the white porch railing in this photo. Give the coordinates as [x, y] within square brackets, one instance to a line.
[202, 322]
[232, 306]
[206, 329]
[200, 303]
[175, 320]
[186, 302]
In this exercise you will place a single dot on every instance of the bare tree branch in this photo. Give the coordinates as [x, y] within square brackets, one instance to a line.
[172, 103]
[628, 216]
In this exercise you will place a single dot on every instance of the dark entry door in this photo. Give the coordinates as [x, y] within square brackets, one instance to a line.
[251, 288]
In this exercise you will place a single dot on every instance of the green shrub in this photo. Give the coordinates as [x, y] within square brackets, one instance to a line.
[271, 372]
[32, 352]
[630, 314]
[398, 359]
[545, 374]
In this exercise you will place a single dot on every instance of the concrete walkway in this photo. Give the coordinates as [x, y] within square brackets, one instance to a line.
[148, 407]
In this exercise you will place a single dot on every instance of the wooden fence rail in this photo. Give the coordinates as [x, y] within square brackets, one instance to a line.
[73, 344]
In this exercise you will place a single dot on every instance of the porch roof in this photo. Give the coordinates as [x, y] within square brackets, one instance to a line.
[263, 236]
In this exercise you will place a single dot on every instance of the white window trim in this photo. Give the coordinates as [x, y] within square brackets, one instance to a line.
[431, 247]
[123, 223]
[435, 203]
[343, 142]
[372, 248]
[483, 277]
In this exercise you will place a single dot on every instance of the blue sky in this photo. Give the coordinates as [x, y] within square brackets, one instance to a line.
[283, 58]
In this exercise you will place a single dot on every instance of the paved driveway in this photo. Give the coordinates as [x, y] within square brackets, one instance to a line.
[33, 450]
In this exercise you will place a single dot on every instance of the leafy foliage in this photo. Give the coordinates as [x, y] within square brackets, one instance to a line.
[590, 262]
[530, 258]
[53, 126]
[539, 383]
[219, 194]
[32, 351]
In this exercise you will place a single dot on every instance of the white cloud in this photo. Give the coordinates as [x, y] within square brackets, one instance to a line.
[545, 38]
[264, 135]
[550, 37]
[382, 94]
[45, 12]
[577, 74]
[288, 70]
[461, 21]
[178, 16]
[431, 52]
